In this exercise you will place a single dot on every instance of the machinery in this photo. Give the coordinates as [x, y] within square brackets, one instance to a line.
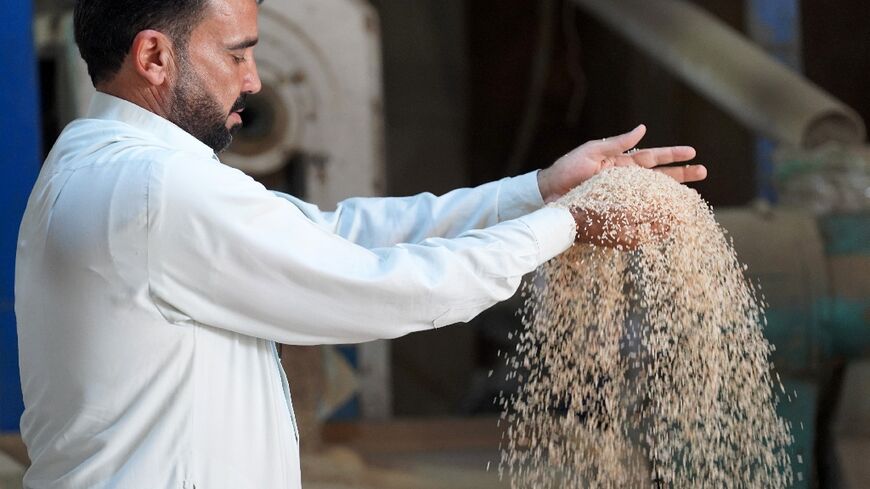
[812, 261]
[320, 107]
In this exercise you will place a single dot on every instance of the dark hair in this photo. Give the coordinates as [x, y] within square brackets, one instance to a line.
[105, 29]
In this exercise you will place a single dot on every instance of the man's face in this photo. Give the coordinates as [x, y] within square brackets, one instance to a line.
[216, 73]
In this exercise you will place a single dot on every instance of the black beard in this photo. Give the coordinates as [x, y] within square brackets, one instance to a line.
[195, 111]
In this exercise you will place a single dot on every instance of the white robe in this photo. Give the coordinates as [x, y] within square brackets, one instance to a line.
[152, 283]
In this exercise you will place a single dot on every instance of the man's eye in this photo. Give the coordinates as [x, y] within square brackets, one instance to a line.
[238, 59]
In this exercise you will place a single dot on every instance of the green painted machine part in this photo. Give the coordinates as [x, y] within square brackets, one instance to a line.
[801, 412]
[814, 273]
[846, 310]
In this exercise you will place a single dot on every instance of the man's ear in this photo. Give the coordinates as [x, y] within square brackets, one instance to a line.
[152, 56]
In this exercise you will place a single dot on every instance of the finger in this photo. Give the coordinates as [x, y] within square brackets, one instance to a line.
[653, 157]
[611, 161]
[622, 143]
[674, 154]
[683, 174]
[640, 158]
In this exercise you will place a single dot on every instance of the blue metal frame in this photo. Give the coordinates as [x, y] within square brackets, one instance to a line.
[775, 26]
[19, 165]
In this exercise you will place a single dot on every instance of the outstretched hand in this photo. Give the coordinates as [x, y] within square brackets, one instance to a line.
[586, 161]
[618, 230]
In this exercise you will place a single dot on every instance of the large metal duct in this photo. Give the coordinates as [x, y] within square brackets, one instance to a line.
[730, 70]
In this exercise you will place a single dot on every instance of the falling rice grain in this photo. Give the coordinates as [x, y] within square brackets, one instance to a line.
[644, 368]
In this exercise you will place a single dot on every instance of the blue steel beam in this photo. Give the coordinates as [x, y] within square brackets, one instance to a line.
[775, 26]
[19, 164]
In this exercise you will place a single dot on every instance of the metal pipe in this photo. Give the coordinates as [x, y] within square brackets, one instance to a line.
[734, 73]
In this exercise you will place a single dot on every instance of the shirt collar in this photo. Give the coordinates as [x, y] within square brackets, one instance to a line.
[108, 107]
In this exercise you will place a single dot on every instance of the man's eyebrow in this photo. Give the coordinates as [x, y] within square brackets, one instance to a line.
[244, 44]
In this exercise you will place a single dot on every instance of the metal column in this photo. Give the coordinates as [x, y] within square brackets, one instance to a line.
[19, 164]
[775, 26]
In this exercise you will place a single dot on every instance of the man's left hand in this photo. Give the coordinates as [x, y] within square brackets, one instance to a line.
[586, 161]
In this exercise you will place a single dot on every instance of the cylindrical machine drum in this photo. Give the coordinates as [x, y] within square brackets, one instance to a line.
[814, 273]
[731, 71]
[847, 246]
[785, 256]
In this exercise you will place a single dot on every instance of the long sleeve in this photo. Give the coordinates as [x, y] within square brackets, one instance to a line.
[226, 252]
[376, 222]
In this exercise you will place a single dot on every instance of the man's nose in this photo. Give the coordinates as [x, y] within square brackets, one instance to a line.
[252, 83]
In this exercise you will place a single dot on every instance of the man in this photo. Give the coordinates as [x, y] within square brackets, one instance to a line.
[152, 281]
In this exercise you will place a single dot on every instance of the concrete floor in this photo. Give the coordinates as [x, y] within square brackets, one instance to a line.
[463, 453]
[11, 472]
[424, 454]
[428, 453]
[343, 469]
